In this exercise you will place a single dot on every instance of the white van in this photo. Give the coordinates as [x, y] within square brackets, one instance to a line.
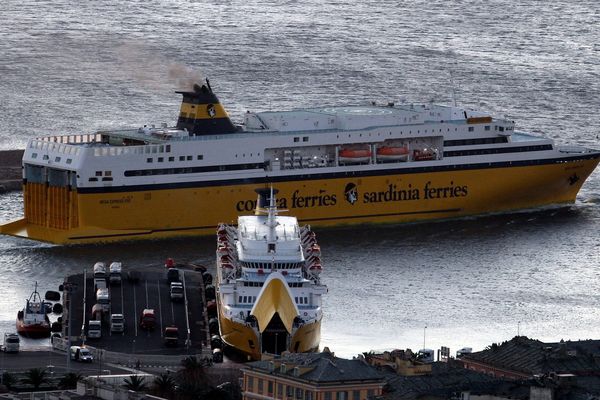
[11, 342]
[94, 329]
[81, 354]
[103, 298]
[114, 275]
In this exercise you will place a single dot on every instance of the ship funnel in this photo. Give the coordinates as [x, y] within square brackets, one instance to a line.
[202, 114]
[264, 200]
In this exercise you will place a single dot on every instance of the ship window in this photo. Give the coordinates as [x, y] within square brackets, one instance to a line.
[189, 158]
[161, 149]
[181, 158]
[69, 160]
[200, 157]
[296, 139]
[168, 147]
[239, 299]
[305, 139]
[107, 179]
[34, 155]
[149, 160]
[501, 128]
[107, 173]
[93, 179]
[487, 127]
[45, 157]
[306, 300]
[98, 173]
[57, 159]
[160, 159]
[471, 129]
[171, 159]
[154, 149]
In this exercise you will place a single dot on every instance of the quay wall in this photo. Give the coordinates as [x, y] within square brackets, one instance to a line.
[10, 170]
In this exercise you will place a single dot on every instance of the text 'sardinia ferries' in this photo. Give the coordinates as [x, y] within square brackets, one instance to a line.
[332, 165]
[269, 288]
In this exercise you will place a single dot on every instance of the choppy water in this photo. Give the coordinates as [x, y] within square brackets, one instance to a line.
[71, 67]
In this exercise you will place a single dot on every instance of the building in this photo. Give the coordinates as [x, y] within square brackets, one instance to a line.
[524, 358]
[404, 362]
[311, 376]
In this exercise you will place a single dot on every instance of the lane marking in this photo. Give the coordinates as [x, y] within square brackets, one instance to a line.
[135, 311]
[160, 309]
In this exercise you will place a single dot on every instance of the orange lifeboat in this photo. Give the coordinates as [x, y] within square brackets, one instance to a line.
[226, 265]
[314, 249]
[354, 156]
[390, 153]
[316, 268]
[222, 249]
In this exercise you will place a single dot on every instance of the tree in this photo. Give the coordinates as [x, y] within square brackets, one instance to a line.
[36, 377]
[8, 380]
[164, 384]
[136, 383]
[192, 380]
[69, 381]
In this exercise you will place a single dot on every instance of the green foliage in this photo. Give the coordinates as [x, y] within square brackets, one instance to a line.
[164, 384]
[69, 381]
[8, 380]
[36, 377]
[136, 383]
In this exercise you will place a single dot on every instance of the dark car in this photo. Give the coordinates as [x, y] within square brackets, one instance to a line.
[171, 336]
[134, 276]
[173, 275]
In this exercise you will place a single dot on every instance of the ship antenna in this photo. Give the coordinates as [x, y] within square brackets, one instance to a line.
[271, 222]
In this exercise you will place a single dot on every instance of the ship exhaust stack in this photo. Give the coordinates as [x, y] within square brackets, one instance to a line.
[202, 114]
[263, 202]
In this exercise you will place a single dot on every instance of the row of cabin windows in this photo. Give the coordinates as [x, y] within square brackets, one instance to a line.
[304, 139]
[172, 159]
[191, 170]
[260, 284]
[47, 157]
[296, 393]
[301, 300]
[246, 299]
[497, 150]
[258, 265]
[470, 142]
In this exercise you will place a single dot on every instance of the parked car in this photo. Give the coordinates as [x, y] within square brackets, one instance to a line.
[173, 275]
[117, 323]
[11, 343]
[134, 276]
[94, 329]
[114, 275]
[177, 291]
[103, 298]
[171, 336]
[100, 270]
[82, 354]
[148, 319]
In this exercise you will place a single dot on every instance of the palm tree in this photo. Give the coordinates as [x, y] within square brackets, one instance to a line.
[8, 379]
[135, 383]
[164, 384]
[69, 381]
[36, 377]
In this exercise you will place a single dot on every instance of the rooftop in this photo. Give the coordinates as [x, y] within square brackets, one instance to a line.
[321, 367]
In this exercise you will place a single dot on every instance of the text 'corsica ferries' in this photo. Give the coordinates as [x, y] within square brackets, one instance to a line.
[332, 165]
[268, 283]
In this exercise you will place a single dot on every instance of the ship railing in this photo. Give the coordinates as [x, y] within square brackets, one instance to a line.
[573, 149]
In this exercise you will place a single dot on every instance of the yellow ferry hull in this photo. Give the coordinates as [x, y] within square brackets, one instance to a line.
[245, 340]
[72, 217]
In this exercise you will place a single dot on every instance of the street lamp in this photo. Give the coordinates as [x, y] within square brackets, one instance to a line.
[69, 288]
[424, 333]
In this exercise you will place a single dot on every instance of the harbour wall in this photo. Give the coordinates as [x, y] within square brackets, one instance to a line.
[10, 170]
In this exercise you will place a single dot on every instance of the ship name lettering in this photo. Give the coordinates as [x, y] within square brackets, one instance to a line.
[392, 194]
[250, 205]
[444, 192]
[320, 200]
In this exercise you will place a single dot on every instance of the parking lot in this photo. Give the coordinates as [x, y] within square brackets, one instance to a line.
[152, 291]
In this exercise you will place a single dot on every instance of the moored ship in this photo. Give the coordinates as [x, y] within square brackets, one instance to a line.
[32, 321]
[268, 283]
[332, 165]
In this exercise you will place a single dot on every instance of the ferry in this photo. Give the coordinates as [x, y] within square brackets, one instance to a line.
[269, 288]
[388, 163]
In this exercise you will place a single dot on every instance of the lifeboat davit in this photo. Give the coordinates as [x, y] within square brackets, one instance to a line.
[226, 265]
[349, 156]
[424, 155]
[222, 249]
[390, 153]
